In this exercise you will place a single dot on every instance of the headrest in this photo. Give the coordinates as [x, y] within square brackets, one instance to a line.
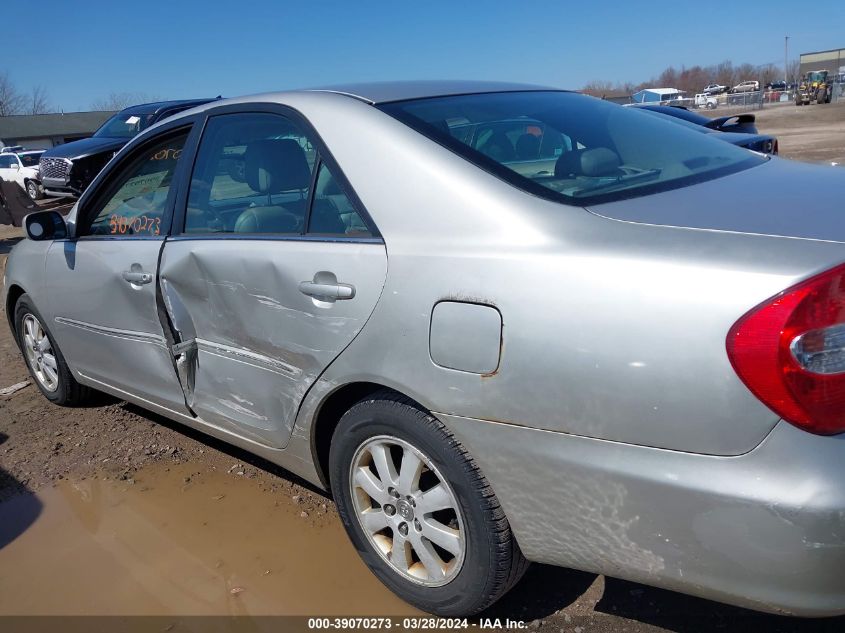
[599, 161]
[276, 165]
[498, 147]
[569, 164]
[527, 147]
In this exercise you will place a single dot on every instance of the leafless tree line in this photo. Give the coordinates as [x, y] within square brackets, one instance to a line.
[37, 101]
[694, 79]
[120, 100]
[13, 101]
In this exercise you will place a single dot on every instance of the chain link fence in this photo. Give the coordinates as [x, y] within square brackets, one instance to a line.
[751, 100]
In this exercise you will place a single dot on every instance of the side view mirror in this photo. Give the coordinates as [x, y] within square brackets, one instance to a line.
[45, 225]
[15, 166]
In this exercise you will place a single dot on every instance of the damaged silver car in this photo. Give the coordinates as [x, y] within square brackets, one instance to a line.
[500, 323]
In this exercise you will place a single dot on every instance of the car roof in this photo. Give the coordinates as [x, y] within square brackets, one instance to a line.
[388, 91]
[160, 106]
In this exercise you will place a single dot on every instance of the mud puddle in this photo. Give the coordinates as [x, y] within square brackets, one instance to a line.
[178, 543]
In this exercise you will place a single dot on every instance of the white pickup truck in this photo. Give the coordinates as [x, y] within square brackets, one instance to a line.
[704, 100]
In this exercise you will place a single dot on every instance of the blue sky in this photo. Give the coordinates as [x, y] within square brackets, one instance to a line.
[81, 51]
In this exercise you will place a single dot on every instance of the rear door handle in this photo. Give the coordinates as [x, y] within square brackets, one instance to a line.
[137, 277]
[327, 291]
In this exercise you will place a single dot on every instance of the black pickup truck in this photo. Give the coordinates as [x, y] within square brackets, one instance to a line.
[66, 170]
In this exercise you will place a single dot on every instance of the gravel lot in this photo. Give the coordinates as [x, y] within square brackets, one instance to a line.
[814, 133]
[44, 449]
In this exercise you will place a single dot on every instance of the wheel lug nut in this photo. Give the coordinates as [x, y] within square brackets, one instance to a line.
[392, 492]
[403, 529]
[389, 510]
[417, 525]
[411, 501]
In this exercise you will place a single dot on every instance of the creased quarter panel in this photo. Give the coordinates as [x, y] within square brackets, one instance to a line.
[743, 530]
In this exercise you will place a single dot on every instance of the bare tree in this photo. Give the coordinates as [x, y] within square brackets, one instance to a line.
[668, 78]
[11, 101]
[793, 70]
[723, 74]
[746, 72]
[768, 73]
[598, 88]
[120, 100]
[38, 101]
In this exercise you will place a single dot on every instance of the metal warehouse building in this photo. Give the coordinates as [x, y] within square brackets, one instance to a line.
[833, 60]
[43, 131]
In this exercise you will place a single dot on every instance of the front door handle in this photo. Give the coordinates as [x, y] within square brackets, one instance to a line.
[137, 277]
[327, 291]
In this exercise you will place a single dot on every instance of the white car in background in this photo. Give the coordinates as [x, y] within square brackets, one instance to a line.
[22, 167]
[715, 89]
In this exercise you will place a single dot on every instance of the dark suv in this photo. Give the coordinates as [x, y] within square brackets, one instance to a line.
[66, 170]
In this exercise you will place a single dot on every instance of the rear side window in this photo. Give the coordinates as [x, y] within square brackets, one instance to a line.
[333, 213]
[589, 150]
[253, 174]
[259, 173]
[137, 201]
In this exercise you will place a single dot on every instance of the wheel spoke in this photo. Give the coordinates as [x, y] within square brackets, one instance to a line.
[434, 499]
[428, 557]
[442, 535]
[49, 361]
[50, 374]
[374, 520]
[29, 342]
[399, 553]
[365, 480]
[30, 328]
[384, 464]
[409, 473]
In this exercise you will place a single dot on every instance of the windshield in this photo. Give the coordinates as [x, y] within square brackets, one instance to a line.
[572, 148]
[30, 160]
[123, 125]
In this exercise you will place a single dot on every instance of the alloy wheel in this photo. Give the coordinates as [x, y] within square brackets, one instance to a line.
[408, 511]
[39, 353]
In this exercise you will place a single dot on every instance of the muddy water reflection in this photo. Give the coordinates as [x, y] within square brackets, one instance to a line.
[216, 545]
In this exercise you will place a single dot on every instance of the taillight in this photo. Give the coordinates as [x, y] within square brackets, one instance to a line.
[790, 352]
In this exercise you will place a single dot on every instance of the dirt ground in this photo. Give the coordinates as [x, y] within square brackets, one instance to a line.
[109, 509]
[814, 133]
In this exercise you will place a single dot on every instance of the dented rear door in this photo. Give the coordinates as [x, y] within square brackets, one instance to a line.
[253, 329]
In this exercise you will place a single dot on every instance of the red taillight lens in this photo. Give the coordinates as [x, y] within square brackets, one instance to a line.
[790, 352]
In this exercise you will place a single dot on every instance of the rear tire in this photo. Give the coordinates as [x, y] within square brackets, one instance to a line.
[44, 359]
[483, 560]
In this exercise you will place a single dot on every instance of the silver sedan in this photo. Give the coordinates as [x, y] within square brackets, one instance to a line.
[500, 323]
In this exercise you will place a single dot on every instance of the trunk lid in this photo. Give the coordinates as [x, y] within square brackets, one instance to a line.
[780, 198]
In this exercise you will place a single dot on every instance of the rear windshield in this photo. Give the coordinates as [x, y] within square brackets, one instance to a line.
[123, 125]
[572, 148]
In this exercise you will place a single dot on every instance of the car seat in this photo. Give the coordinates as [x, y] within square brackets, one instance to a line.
[274, 166]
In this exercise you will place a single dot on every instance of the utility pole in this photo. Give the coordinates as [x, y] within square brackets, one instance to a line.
[786, 59]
